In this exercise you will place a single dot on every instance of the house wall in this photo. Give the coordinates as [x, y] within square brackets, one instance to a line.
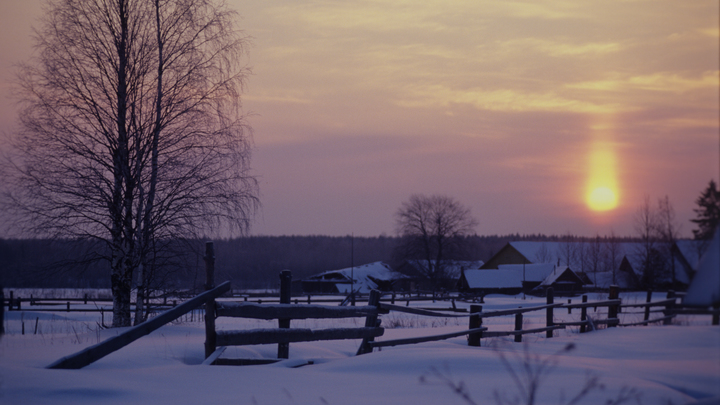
[506, 255]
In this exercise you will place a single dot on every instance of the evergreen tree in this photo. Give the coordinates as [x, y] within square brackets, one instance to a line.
[708, 212]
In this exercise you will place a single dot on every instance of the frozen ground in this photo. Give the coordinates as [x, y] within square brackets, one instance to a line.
[675, 364]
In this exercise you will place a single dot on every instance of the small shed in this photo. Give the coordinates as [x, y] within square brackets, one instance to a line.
[363, 279]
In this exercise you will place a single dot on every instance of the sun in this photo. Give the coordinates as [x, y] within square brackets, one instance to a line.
[602, 199]
[601, 188]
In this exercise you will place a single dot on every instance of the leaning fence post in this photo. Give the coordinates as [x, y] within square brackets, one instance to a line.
[210, 335]
[648, 298]
[285, 292]
[549, 313]
[370, 322]
[669, 308]
[583, 315]
[518, 327]
[2, 311]
[613, 309]
[475, 322]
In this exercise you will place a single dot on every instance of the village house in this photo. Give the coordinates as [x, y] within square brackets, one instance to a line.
[362, 279]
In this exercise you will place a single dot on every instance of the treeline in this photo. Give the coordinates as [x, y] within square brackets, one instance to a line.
[249, 262]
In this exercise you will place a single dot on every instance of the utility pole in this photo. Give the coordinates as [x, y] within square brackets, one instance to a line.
[352, 269]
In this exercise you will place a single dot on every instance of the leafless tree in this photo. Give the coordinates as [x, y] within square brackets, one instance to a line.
[668, 233]
[645, 223]
[433, 230]
[595, 256]
[613, 254]
[568, 251]
[132, 131]
[543, 254]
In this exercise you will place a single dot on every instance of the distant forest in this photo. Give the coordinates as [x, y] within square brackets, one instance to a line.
[249, 263]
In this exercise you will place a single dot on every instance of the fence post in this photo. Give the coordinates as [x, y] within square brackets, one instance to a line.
[475, 322]
[2, 311]
[549, 313]
[10, 303]
[210, 335]
[583, 315]
[518, 327]
[569, 309]
[716, 315]
[613, 309]
[648, 298]
[669, 308]
[370, 322]
[285, 292]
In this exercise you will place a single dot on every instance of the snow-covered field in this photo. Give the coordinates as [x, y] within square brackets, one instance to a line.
[675, 364]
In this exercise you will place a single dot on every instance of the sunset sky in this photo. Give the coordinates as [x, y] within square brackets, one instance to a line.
[541, 116]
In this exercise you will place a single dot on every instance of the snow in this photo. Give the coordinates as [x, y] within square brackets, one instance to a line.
[363, 276]
[676, 364]
[508, 275]
[705, 287]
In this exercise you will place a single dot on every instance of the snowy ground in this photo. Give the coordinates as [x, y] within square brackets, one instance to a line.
[675, 364]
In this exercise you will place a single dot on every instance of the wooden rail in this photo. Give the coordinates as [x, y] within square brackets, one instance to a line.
[100, 350]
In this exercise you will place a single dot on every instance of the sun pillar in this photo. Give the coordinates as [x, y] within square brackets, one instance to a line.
[602, 186]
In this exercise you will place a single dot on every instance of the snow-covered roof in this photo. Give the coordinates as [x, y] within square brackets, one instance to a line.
[554, 275]
[363, 276]
[704, 289]
[690, 249]
[493, 278]
[453, 267]
[511, 275]
[533, 272]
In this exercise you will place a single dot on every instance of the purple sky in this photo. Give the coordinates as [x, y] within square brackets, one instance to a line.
[500, 104]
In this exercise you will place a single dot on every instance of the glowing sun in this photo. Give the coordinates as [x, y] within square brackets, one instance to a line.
[601, 194]
[602, 199]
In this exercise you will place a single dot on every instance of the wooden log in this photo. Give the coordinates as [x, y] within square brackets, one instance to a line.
[549, 313]
[417, 311]
[583, 315]
[596, 304]
[648, 298]
[289, 311]
[284, 323]
[214, 356]
[370, 322]
[244, 362]
[518, 327]
[210, 335]
[274, 336]
[410, 341]
[100, 350]
[613, 309]
[520, 332]
[661, 303]
[475, 323]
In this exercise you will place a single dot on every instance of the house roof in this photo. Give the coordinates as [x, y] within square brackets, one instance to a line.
[363, 276]
[511, 275]
[454, 267]
[690, 249]
[705, 287]
[533, 272]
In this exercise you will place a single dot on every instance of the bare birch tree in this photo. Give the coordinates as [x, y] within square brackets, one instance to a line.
[433, 230]
[645, 223]
[614, 254]
[132, 132]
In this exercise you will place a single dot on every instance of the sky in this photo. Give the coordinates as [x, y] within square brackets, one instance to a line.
[520, 110]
